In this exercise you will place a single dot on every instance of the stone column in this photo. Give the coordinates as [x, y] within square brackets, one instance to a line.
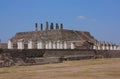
[41, 27]
[46, 45]
[61, 26]
[65, 45]
[47, 26]
[36, 27]
[54, 45]
[114, 47]
[61, 45]
[98, 46]
[107, 46]
[103, 46]
[50, 45]
[30, 44]
[57, 26]
[10, 45]
[20, 44]
[58, 44]
[52, 26]
[111, 47]
[72, 45]
[40, 45]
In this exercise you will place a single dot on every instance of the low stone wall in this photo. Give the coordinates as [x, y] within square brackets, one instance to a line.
[67, 52]
[43, 60]
[23, 53]
[108, 53]
[44, 56]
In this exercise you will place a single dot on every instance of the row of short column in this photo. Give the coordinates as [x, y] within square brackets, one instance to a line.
[52, 45]
[20, 44]
[48, 45]
[42, 45]
[106, 47]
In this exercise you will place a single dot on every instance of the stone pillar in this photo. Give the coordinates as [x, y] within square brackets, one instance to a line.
[72, 45]
[61, 26]
[57, 26]
[36, 27]
[107, 46]
[41, 27]
[54, 45]
[58, 44]
[103, 46]
[20, 44]
[30, 44]
[65, 45]
[51, 26]
[114, 47]
[111, 47]
[61, 45]
[50, 45]
[98, 46]
[10, 45]
[40, 45]
[46, 45]
[47, 26]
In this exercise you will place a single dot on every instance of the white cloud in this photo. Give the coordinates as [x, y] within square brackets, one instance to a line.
[82, 17]
[86, 18]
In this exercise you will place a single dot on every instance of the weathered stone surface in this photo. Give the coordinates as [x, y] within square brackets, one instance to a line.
[54, 35]
[38, 57]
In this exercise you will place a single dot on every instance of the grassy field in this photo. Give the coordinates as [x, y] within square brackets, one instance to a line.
[83, 69]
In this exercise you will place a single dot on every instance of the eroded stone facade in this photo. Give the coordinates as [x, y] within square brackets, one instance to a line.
[53, 37]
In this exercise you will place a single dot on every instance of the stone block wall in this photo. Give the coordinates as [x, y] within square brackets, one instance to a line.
[45, 56]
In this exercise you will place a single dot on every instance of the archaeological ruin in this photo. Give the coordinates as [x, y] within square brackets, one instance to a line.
[54, 44]
[56, 37]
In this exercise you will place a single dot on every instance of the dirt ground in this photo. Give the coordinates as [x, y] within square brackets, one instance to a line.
[83, 69]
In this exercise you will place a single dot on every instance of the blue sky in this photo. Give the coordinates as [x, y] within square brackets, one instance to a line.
[100, 17]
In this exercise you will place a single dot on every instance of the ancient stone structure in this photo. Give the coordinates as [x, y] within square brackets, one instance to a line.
[52, 38]
[54, 44]
[10, 57]
[102, 45]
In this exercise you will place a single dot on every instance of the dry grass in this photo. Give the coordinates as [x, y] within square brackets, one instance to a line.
[84, 69]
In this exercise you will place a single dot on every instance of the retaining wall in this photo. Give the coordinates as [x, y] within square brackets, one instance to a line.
[44, 56]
